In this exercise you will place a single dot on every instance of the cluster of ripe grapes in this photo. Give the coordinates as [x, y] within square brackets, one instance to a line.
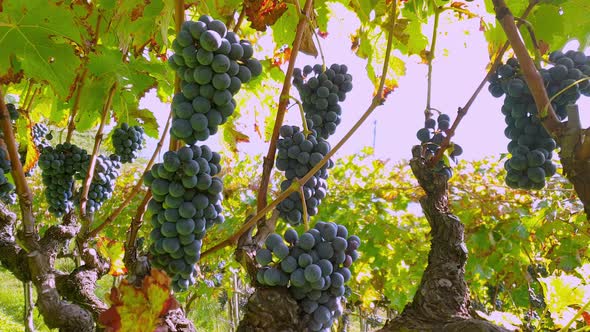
[431, 137]
[313, 266]
[7, 193]
[60, 166]
[212, 64]
[297, 155]
[531, 146]
[186, 201]
[127, 141]
[321, 94]
[65, 163]
[106, 172]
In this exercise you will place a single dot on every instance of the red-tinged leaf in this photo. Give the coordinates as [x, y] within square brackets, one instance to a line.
[355, 40]
[586, 316]
[543, 47]
[482, 25]
[111, 319]
[389, 87]
[232, 137]
[114, 296]
[323, 34]
[263, 13]
[281, 56]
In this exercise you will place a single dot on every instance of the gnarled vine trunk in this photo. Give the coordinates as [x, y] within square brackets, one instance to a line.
[441, 302]
[271, 309]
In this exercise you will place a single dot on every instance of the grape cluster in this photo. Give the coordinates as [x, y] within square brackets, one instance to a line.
[106, 172]
[127, 141]
[41, 135]
[59, 166]
[321, 95]
[212, 64]
[531, 146]
[7, 194]
[314, 267]
[566, 69]
[12, 111]
[296, 156]
[432, 136]
[186, 201]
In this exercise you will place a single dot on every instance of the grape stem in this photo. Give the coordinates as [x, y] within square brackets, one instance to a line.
[72, 122]
[27, 95]
[544, 111]
[462, 111]
[236, 28]
[427, 110]
[178, 20]
[378, 100]
[304, 207]
[95, 152]
[306, 130]
[29, 104]
[283, 102]
[25, 198]
[26, 92]
[137, 189]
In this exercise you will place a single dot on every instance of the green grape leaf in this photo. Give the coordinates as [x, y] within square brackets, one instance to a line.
[41, 36]
[283, 32]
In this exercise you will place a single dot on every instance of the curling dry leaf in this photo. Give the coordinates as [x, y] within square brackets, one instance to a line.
[263, 13]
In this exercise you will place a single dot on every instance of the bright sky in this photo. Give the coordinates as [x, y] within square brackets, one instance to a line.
[459, 66]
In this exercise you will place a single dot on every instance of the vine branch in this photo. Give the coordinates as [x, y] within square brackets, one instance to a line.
[427, 111]
[25, 198]
[95, 151]
[378, 100]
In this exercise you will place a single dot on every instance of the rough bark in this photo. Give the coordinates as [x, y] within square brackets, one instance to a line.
[78, 287]
[442, 300]
[271, 310]
[575, 156]
[12, 257]
[176, 321]
[62, 306]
